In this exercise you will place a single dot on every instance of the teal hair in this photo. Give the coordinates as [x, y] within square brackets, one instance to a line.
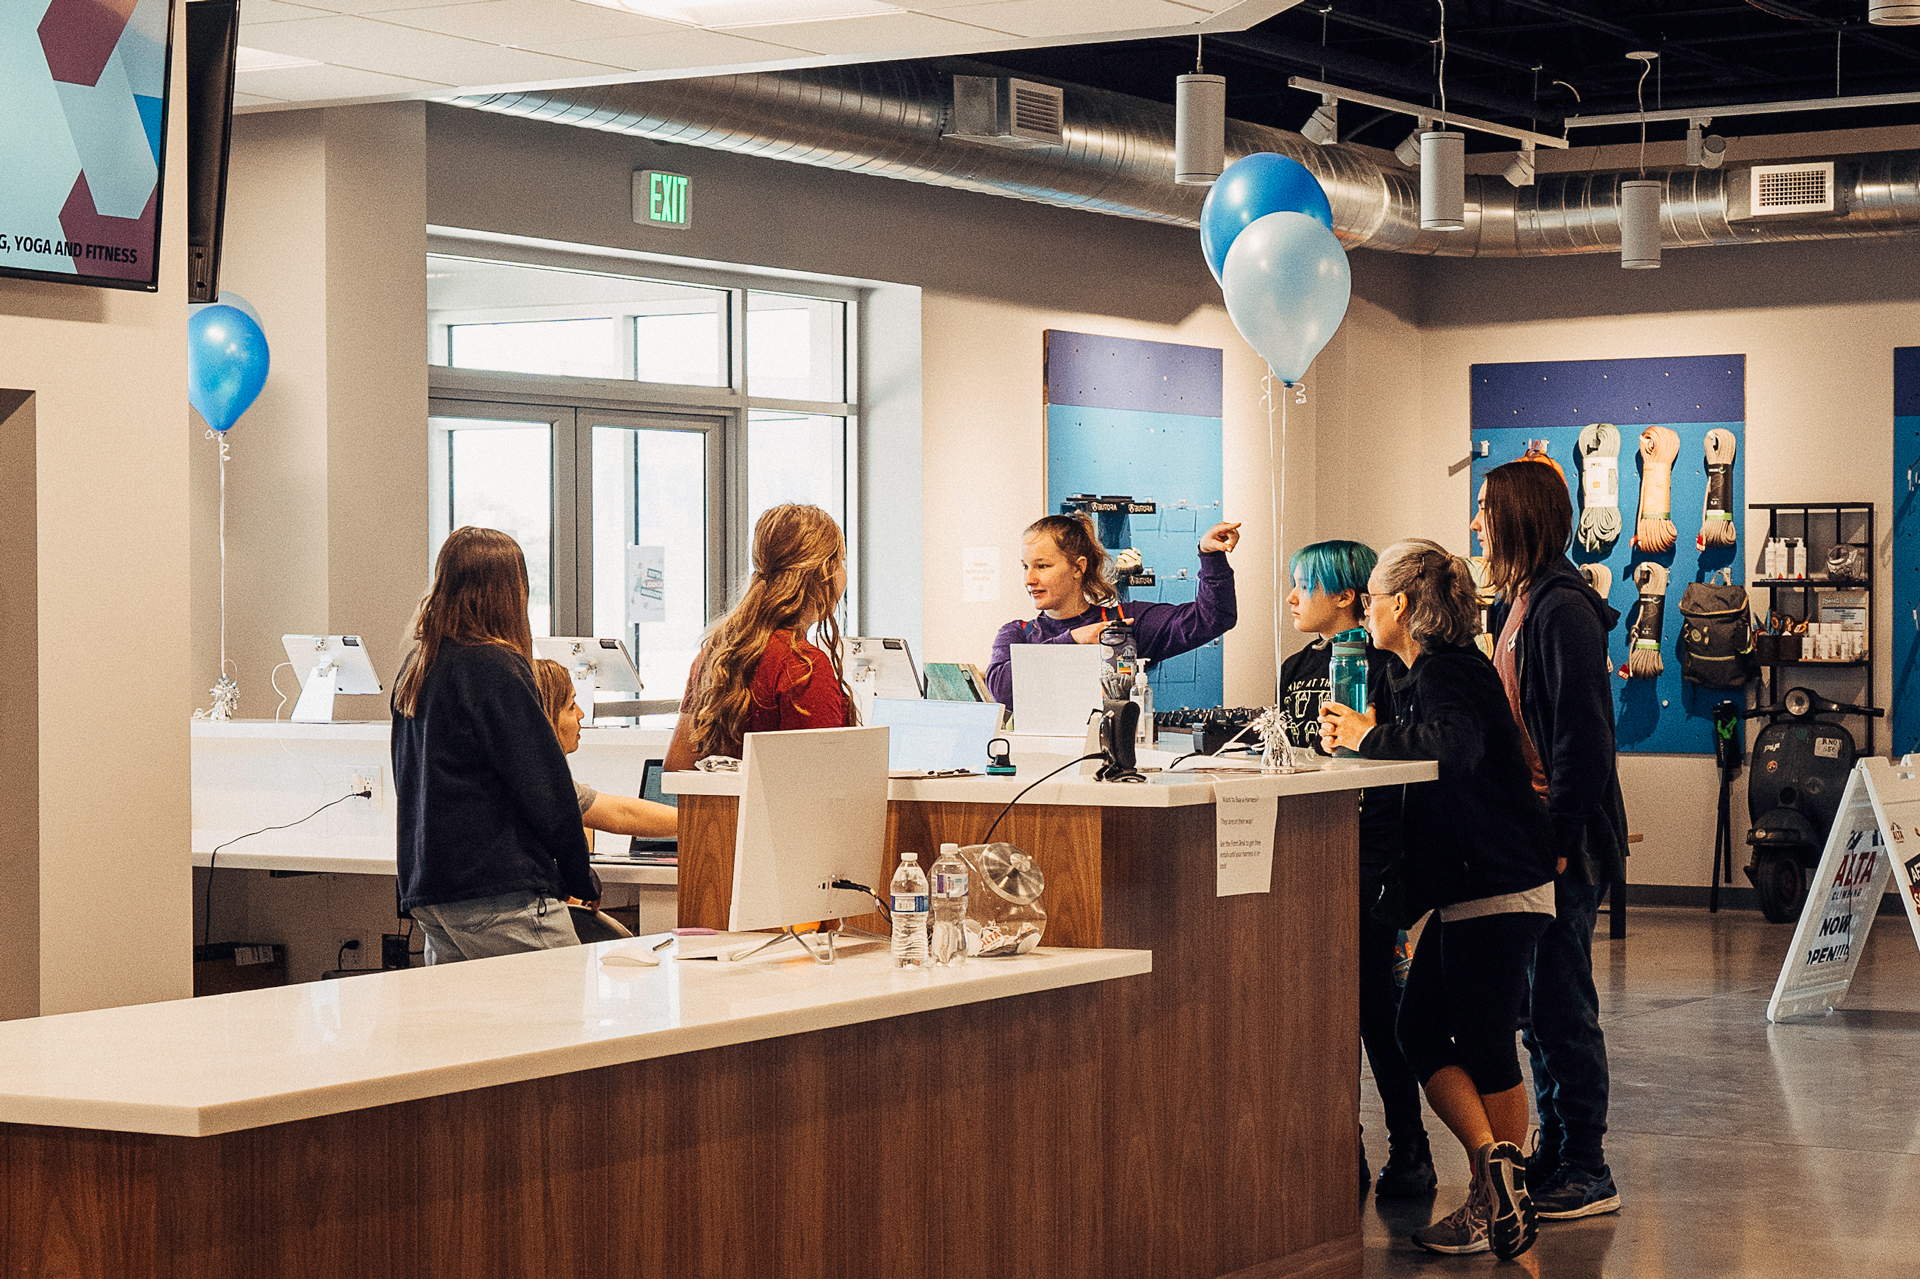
[1332, 567]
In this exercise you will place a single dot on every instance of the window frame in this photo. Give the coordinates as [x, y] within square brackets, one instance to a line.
[723, 411]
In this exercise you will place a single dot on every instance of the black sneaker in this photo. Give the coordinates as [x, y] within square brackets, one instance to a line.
[1513, 1227]
[1408, 1173]
[1575, 1192]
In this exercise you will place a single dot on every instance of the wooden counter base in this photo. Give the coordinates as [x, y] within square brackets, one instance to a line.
[1228, 1093]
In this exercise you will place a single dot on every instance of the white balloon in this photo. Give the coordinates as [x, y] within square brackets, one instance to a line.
[1286, 282]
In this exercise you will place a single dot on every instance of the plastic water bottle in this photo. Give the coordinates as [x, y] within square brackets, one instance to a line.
[909, 909]
[949, 907]
[1347, 672]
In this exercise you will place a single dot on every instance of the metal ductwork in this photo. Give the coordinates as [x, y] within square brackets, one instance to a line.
[887, 120]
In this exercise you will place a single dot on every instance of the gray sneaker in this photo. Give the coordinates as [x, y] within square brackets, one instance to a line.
[1465, 1229]
[1575, 1192]
[1513, 1227]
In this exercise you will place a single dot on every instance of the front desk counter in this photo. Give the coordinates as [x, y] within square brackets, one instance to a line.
[554, 1116]
[1221, 1093]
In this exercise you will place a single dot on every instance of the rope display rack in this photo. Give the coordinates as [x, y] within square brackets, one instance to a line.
[1820, 526]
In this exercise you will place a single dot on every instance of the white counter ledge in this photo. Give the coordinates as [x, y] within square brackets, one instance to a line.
[229, 1062]
[1161, 790]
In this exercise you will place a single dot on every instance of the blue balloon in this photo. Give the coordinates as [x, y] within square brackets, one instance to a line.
[226, 363]
[1287, 283]
[1249, 190]
[229, 299]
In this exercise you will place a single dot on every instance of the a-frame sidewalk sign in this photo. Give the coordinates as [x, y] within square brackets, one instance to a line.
[1875, 838]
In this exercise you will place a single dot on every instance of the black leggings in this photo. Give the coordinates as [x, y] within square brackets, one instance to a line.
[1379, 1009]
[1465, 994]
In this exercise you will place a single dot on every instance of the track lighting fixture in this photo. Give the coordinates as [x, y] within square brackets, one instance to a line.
[1705, 150]
[1323, 126]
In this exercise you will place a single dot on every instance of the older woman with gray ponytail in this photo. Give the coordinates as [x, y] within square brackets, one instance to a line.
[1478, 854]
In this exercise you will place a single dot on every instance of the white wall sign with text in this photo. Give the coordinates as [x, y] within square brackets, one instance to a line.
[980, 574]
[646, 584]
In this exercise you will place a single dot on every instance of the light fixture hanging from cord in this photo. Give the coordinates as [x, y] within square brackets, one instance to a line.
[1640, 198]
[1443, 159]
[1893, 13]
[1199, 126]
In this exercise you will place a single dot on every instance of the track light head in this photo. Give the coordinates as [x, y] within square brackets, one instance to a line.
[1408, 152]
[1323, 126]
[1893, 13]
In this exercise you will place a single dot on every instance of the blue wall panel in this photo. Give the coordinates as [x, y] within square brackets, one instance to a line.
[1691, 395]
[1906, 550]
[1143, 419]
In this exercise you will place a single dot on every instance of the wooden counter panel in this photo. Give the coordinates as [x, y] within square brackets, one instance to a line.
[84, 1204]
[1064, 842]
[706, 829]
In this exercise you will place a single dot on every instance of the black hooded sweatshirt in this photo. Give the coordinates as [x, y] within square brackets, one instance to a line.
[1479, 831]
[1566, 699]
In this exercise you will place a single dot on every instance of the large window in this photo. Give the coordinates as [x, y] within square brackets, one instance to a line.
[628, 432]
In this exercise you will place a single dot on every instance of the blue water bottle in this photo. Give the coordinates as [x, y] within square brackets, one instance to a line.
[1347, 673]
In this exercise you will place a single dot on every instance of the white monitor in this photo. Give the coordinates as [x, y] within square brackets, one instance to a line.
[929, 736]
[814, 811]
[878, 668]
[596, 664]
[326, 665]
[1056, 686]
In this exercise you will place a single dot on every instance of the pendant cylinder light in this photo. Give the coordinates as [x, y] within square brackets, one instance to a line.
[1199, 129]
[1640, 224]
[1443, 181]
[1893, 13]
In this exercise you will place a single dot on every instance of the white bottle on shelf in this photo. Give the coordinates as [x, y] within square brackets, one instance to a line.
[1799, 558]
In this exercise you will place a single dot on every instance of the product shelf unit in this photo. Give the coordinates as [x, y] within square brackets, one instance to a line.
[1821, 526]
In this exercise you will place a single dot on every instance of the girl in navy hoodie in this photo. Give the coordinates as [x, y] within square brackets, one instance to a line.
[1477, 854]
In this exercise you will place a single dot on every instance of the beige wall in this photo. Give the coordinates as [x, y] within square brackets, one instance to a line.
[108, 556]
[326, 496]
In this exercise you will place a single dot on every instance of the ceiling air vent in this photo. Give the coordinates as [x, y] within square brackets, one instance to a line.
[1007, 112]
[1783, 191]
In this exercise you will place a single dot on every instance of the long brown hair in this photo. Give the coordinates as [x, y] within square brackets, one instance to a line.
[478, 596]
[1528, 515]
[1439, 589]
[556, 688]
[797, 552]
[1075, 536]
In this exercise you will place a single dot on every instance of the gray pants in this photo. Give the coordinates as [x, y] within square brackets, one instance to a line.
[488, 926]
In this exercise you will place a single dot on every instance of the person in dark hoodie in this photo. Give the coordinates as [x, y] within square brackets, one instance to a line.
[1476, 853]
[489, 838]
[1551, 652]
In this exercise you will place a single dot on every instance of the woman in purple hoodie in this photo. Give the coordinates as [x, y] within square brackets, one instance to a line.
[1069, 578]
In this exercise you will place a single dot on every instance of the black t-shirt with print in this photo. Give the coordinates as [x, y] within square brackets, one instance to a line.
[1305, 682]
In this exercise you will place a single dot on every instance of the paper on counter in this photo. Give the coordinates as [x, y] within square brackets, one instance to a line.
[1244, 822]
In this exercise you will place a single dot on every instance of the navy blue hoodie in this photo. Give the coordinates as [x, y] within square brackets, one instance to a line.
[1566, 700]
[486, 804]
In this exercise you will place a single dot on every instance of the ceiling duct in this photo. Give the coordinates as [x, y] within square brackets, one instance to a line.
[1116, 155]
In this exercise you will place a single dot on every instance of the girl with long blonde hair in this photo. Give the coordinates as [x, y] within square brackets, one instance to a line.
[614, 814]
[489, 839]
[758, 671]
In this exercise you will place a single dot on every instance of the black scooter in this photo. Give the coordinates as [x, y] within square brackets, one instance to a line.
[1795, 781]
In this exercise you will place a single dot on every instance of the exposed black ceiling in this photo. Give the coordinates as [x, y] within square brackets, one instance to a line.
[1513, 60]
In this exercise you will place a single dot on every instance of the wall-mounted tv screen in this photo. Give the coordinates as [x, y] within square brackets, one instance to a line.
[83, 89]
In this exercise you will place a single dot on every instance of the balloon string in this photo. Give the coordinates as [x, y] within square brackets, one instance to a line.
[222, 437]
[1277, 503]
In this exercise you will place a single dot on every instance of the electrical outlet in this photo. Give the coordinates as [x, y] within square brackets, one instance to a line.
[365, 777]
[394, 951]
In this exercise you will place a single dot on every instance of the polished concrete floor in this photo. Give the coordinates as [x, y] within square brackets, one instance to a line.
[1740, 1148]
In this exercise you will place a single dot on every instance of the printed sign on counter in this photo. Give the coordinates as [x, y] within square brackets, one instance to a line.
[1243, 830]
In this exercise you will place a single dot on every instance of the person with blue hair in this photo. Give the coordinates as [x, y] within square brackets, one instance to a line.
[1329, 579]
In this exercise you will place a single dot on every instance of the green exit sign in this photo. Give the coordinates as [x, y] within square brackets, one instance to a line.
[662, 199]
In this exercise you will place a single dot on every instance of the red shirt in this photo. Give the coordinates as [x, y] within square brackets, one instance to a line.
[793, 687]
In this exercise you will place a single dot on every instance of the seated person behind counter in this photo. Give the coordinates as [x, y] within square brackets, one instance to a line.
[758, 672]
[1069, 576]
[615, 814]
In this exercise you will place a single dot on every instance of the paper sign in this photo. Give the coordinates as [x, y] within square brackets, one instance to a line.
[1243, 830]
[646, 584]
[980, 575]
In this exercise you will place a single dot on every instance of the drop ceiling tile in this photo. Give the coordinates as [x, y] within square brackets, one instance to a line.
[258, 13]
[893, 35]
[384, 47]
[318, 83]
[1077, 17]
[529, 24]
[683, 48]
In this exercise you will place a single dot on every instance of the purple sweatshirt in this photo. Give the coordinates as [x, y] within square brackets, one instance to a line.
[1160, 631]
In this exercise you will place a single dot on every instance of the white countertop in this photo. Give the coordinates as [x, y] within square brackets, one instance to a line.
[197, 1067]
[1161, 790]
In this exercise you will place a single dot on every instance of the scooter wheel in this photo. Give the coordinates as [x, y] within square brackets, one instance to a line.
[1782, 885]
